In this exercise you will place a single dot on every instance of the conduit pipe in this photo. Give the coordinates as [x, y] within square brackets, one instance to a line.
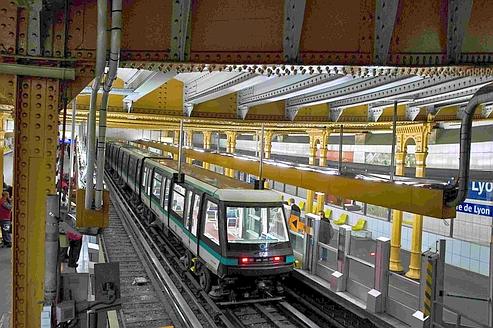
[483, 95]
[91, 123]
[116, 29]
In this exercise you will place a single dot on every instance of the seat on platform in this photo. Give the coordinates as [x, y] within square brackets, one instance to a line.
[301, 204]
[328, 213]
[342, 219]
[360, 225]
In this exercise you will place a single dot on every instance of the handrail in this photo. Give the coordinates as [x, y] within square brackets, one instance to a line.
[405, 278]
[330, 248]
[354, 258]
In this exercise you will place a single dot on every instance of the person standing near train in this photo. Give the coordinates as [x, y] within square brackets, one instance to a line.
[6, 218]
[325, 234]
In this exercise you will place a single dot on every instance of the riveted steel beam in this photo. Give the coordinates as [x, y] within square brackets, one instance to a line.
[385, 15]
[218, 84]
[294, 13]
[34, 28]
[147, 83]
[459, 12]
[410, 89]
[288, 87]
[36, 117]
[344, 90]
[180, 22]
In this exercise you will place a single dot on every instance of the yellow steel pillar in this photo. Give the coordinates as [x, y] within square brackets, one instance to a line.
[230, 148]
[415, 261]
[189, 143]
[176, 140]
[395, 238]
[267, 150]
[320, 195]
[310, 193]
[207, 146]
[36, 128]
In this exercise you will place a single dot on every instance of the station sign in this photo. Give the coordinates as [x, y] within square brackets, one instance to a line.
[476, 209]
[480, 190]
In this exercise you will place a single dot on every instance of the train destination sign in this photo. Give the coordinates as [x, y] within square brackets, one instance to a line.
[478, 209]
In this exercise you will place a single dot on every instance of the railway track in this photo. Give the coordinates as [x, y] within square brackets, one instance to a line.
[144, 304]
[277, 312]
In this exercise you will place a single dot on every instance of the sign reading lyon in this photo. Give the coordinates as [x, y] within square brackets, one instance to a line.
[480, 190]
[478, 209]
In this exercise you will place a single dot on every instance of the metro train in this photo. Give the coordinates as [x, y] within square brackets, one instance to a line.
[236, 237]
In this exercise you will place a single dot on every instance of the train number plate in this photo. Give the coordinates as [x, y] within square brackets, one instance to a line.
[263, 254]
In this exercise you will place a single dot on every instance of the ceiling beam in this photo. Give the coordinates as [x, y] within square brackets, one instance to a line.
[459, 13]
[294, 13]
[385, 16]
[218, 84]
[354, 86]
[287, 87]
[152, 81]
[405, 91]
[180, 38]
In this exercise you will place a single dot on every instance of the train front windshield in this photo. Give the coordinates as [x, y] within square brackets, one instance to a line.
[255, 225]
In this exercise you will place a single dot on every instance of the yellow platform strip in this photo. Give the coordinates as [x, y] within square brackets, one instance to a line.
[424, 201]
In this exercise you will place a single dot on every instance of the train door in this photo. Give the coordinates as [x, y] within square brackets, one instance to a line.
[156, 193]
[165, 203]
[192, 223]
[209, 249]
[177, 209]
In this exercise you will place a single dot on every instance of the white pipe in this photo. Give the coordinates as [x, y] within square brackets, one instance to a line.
[51, 248]
[116, 28]
[91, 124]
[72, 153]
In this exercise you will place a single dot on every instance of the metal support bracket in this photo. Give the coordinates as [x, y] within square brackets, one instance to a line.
[335, 114]
[459, 12]
[412, 112]
[486, 111]
[291, 112]
[187, 109]
[180, 29]
[242, 112]
[294, 12]
[385, 15]
[374, 113]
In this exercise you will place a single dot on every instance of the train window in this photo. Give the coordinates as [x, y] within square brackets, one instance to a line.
[144, 177]
[156, 185]
[166, 194]
[187, 209]
[256, 224]
[211, 229]
[178, 200]
[195, 215]
[131, 169]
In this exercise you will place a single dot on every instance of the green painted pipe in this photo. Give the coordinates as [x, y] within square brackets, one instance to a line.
[40, 71]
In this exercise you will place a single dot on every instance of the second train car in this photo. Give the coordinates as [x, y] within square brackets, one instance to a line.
[235, 236]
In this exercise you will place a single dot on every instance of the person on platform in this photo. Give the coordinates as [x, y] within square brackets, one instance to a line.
[75, 244]
[325, 234]
[6, 219]
[295, 209]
